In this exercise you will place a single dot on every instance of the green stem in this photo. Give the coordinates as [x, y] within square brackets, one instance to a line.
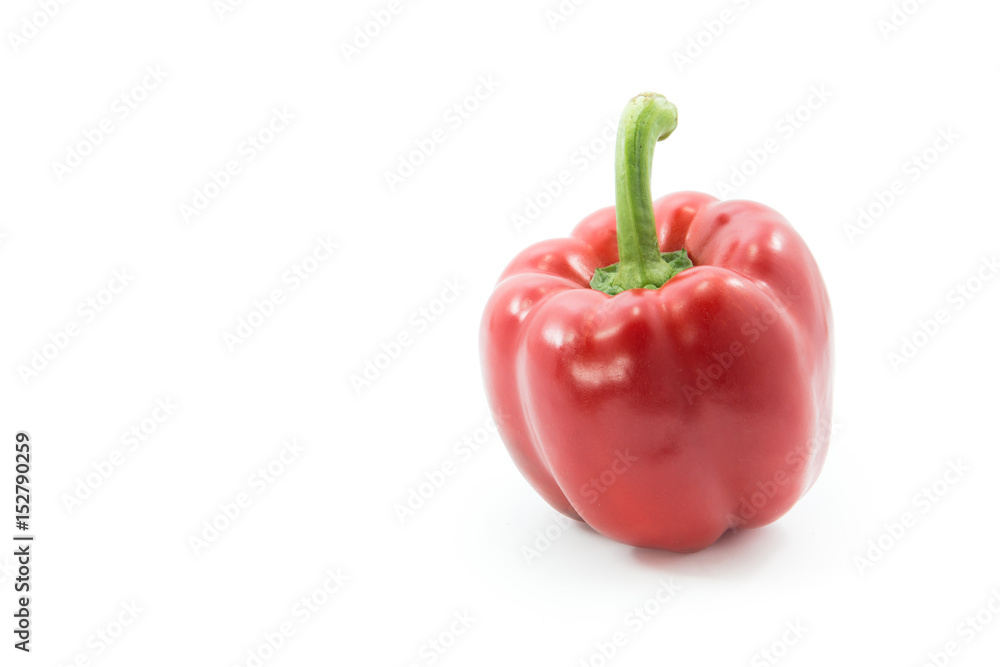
[647, 119]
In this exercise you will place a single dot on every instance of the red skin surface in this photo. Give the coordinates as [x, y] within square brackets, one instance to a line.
[663, 418]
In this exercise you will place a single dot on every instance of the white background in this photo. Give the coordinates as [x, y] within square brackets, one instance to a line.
[900, 427]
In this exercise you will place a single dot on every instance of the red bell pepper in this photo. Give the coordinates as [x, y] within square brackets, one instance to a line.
[665, 373]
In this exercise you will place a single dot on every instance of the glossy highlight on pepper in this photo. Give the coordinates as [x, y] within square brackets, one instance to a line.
[664, 373]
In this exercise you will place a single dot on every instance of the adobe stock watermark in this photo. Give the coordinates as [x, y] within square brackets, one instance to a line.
[582, 157]
[258, 482]
[698, 43]
[434, 648]
[779, 648]
[365, 33]
[121, 108]
[966, 632]
[247, 151]
[292, 279]
[563, 11]
[635, 621]
[454, 117]
[592, 490]
[301, 612]
[545, 537]
[31, 25]
[131, 440]
[785, 128]
[596, 317]
[223, 8]
[752, 330]
[794, 462]
[418, 323]
[87, 311]
[922, 502]
[462, 452]
[596, 486]
[899, 15]
[956, 299]
[101, 640]
[912, 170]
